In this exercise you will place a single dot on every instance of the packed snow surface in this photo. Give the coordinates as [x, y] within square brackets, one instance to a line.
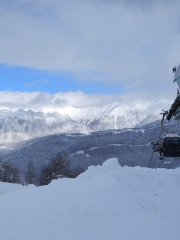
[106, 202]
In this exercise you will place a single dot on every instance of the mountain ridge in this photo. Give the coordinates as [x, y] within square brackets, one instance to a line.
[24, 124]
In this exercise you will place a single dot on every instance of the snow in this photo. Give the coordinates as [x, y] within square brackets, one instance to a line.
[4, 147]
[78, 153]
[130, 130]
[106, 202]
[8, 187]
[142, 130]
[79, 114]
[17, 125]
[156, 108]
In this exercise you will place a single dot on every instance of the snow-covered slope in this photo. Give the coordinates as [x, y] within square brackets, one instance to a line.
[23, 125]
[118, 117]
[27, 124]
[157, 107]
[106, 202]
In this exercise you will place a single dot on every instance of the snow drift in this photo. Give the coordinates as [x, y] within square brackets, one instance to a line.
[106, 202]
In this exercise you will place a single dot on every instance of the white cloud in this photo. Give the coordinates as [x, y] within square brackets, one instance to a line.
[39, 101]
[45, 81]
[135, 43]
[30, 84]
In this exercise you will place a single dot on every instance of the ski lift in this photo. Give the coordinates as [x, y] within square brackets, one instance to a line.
[177, 76]
[168, 145]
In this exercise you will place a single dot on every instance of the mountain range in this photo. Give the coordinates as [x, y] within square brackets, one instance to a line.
[21, 124]
[130, 146]
[87, 136]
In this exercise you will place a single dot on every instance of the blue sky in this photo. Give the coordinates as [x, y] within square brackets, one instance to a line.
[28, 80]
[100, 48]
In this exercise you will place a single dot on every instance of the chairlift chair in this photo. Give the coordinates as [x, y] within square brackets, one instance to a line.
[169, 146]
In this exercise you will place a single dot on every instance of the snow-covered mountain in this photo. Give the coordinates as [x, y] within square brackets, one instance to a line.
[131, 146]
[26, 124]
[118, 117]
[158, 106]
[106, 202]
[21, 124]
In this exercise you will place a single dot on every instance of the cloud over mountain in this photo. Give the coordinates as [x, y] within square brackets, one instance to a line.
[39, 101]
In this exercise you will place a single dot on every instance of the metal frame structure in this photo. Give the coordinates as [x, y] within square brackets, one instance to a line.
[168, 144]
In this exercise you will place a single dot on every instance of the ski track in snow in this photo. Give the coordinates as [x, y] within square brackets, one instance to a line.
[106, 202]
[113, 144]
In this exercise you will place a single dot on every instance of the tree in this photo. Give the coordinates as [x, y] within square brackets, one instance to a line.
[30, 174]
[1, 169]
[73, 173]
[9, 173]
[58, 168]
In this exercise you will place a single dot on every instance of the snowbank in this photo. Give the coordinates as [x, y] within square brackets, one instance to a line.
[106, 202]
[8, 187]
